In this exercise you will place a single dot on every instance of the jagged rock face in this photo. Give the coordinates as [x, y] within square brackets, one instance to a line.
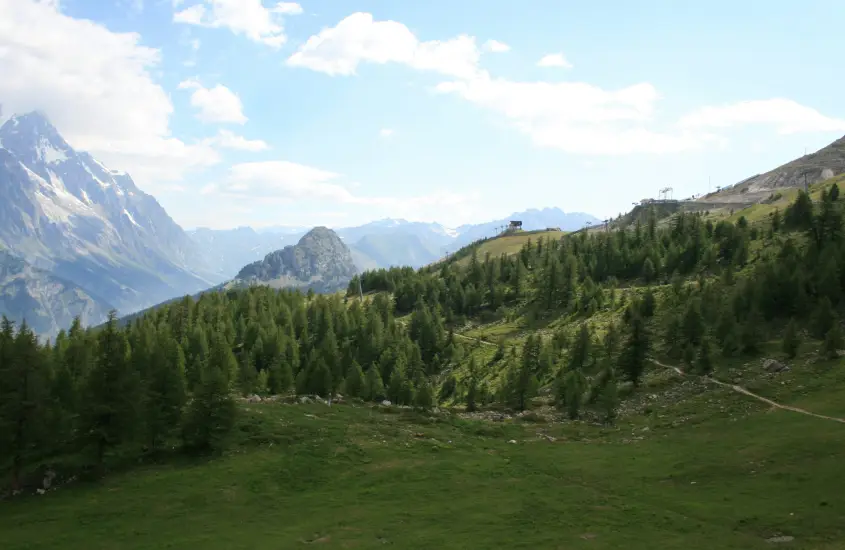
[65, 212]
[47, 303]
[319, 261]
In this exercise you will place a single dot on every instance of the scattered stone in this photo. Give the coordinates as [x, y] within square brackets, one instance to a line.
[774, 366]
[253, 399]
[512, 441]
[305, 400]
[783, 538]
[385, 403]
[49, 476]
[40, 491]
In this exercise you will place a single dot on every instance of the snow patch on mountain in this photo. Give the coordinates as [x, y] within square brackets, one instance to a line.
[48, 153]
[131, 219]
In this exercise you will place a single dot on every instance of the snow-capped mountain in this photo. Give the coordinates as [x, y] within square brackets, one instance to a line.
[65, 212]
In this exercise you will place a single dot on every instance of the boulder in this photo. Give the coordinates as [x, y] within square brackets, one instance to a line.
[773, 365]
[253, 399]
[49, 476]
[386, 403]
[305, 400]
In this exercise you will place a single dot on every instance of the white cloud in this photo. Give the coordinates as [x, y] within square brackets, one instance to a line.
[554, 60]
[386, 132]
[95, 86]
[495, 46]
[358, 39]
[575, 117]
[191, 16]
[789, 117]
[243, 17]
[217, 104]
[228, 140]
[288, 181]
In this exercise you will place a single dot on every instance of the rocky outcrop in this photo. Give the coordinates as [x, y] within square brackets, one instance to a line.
[320, 261]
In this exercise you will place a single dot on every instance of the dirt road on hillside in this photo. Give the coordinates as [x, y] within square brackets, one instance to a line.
[744, 391]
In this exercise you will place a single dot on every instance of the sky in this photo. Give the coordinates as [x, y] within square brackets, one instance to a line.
[243, 112]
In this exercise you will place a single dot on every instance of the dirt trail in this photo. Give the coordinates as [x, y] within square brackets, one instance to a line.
[740, 389]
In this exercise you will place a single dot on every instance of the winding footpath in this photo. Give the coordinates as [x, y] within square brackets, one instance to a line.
[740, 389]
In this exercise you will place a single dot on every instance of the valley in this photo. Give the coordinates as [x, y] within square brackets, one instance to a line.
[672, 380]
[421, 275]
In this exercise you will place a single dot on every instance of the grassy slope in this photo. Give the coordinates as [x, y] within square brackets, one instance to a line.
[713, 470]
[511, 244]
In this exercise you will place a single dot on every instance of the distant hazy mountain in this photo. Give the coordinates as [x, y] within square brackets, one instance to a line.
[64, 212]
[382, 243]
[226, 251]
[531, 219]
[319, 261]
[46, 302]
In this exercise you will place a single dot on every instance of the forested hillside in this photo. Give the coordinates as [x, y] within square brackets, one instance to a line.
[580, 316]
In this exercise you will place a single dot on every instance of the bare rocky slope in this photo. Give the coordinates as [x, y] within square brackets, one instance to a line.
[809, 169]
[47, 303]
[320, 261]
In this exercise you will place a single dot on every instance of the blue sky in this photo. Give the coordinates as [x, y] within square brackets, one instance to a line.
[238, 112]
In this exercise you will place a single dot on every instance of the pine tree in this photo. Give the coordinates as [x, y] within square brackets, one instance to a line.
[165, 393]
[823, 318]
[520, 384]
[23, 395]
[648, 304]
[394, 389]
[247, 375]
[579, 355]
[751, 332]
[221, 358]
[354, 384]
[211, 414]
[374, 388]
[791, 341]
[262, 385]
[571, 393]
[703, 361]
[279, 377]
[473, 379]
[608, 396]
[424, 398]
[111, 393]
[634, 354]
[320, 379]
[833, 341]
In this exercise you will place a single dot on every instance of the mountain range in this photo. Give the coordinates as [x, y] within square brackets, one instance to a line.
[381, 243]
[78, 238]
[66, 214]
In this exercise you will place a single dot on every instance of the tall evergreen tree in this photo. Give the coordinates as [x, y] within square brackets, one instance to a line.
[634, 354]
[23, 397]
[110, 414]
[212, 412]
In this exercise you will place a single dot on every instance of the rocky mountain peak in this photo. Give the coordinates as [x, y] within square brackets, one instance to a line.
[64, 211]
[320, 261]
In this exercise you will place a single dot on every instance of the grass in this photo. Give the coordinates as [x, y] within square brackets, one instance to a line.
[711, 470]
[510, 244]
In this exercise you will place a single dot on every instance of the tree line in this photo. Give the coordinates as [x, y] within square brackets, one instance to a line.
[690, 290]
